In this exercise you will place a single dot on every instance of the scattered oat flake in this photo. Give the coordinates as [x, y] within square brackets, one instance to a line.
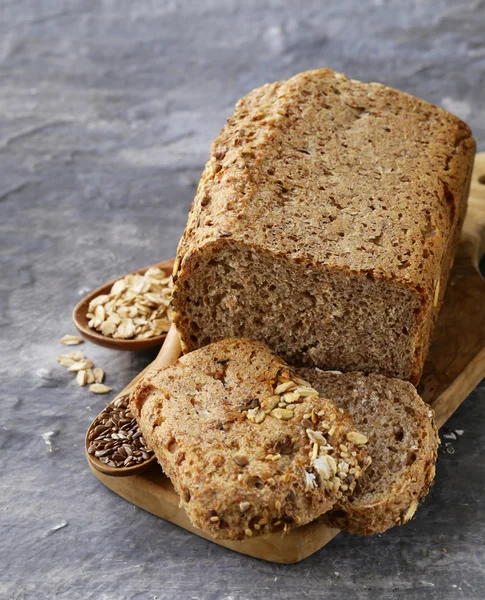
[65, 361]
[81, 365]
[71, 340]
[98, 375]
[82, 377]
[86, 373]
[99, 388]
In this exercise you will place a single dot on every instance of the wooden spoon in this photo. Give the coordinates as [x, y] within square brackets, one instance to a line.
[168, 354]
[81, 321]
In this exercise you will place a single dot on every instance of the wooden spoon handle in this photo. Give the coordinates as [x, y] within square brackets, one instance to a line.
[169, 352]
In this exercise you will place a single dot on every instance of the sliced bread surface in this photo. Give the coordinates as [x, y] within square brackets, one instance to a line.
[249, 446]
[402, 442]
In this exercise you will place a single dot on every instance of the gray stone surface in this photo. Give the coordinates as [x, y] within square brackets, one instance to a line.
[107, 109]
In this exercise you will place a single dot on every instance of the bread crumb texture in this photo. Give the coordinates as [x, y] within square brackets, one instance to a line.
[325, 223]
[249, 445]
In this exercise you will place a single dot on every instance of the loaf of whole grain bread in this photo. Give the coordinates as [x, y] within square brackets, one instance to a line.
[325, 224]
[249, 446]
[402, 441]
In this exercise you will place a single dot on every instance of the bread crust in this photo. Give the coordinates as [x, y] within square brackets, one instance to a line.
[396, 502]
[374, 183]
[242, 472]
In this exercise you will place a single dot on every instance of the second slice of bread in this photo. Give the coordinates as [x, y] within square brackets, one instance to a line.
[402, 441]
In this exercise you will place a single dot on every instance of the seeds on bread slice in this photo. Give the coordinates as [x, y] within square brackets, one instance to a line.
[249, 446]
[402, 441]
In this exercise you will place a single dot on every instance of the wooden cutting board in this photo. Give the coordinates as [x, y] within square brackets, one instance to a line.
[456, 364]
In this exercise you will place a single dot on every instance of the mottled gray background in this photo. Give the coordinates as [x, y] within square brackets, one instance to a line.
[107, 110]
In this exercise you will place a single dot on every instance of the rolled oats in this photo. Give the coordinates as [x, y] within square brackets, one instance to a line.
[82, 377]
[80, 365]
[77, 363]
[71, 340]
[137, 307]
[98, 375]
[65, 361]
[99, 388]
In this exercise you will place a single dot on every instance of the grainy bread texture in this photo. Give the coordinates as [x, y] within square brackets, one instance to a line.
[249, 446]
[325, 224]
[402, 440]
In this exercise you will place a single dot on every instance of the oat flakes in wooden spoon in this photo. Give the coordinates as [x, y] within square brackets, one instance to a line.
[122, 311]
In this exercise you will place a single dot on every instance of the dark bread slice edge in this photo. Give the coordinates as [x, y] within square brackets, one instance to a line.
[403, 443]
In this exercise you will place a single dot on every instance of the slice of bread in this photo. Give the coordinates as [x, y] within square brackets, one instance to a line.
[402, 441]
[249, 446]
